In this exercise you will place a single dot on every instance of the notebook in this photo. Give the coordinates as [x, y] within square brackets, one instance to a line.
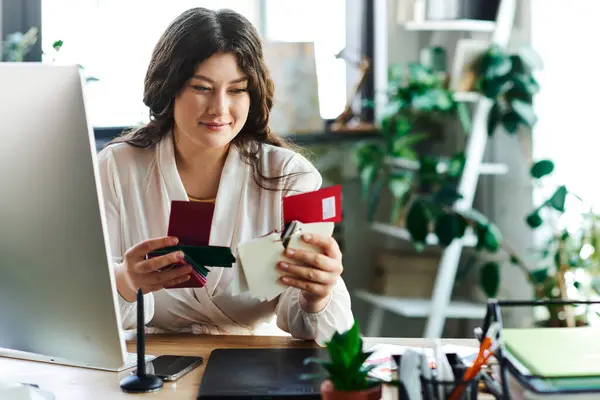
[556, 352]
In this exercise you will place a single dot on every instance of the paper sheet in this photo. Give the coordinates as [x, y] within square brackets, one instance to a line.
[382, 355]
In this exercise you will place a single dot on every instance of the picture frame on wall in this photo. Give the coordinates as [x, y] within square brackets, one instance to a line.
[463, 76]
[296, 105]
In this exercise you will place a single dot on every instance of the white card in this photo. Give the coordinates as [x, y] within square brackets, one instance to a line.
[258, 259]
[317, 228]
[239, 284]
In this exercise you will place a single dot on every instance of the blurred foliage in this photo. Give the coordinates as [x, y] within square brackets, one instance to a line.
[508, 79]
[17, 45]
[424, 187]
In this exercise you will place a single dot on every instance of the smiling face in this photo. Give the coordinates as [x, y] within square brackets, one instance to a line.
[213, 106]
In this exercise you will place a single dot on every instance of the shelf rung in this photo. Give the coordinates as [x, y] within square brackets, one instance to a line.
[413, 307]
[485, 169]
[493, 169]
[466, 97]
[465, 25]
[470, 240]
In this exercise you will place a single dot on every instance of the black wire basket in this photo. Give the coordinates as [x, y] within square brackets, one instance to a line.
[499, 388]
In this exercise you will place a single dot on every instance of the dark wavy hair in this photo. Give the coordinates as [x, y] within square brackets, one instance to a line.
[191, 38]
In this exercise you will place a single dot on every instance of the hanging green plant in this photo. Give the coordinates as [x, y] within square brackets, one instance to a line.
[508, 79]
[416, 93]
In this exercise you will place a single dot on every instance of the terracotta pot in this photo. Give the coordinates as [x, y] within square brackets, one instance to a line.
[328, 392]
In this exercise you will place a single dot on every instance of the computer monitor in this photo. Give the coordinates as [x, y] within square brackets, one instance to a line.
[57, 295]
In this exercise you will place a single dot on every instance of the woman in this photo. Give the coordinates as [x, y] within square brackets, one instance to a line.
[209, 94]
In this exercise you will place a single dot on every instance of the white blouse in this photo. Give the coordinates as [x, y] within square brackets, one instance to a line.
[138, 187]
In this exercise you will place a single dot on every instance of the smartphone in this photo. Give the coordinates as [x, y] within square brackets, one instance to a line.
[170, 367]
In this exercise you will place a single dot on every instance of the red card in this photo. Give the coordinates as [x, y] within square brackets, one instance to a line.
[324, 205]
[190, 221]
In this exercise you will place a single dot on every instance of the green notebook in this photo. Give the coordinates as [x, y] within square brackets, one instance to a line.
[556, 352]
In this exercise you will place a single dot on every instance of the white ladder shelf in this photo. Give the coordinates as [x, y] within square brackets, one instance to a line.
[440, 307]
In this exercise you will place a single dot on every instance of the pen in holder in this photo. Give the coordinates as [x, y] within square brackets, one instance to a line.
[432, 387]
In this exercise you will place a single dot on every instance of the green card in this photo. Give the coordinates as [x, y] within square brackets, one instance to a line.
[201, 256]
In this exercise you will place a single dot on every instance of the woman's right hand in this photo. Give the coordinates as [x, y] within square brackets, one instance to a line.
[138, 272]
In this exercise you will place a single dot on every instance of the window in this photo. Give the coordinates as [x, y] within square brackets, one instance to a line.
[564, 34]
[113, 41]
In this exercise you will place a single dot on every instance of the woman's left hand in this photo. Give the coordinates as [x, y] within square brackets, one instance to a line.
[316, 273]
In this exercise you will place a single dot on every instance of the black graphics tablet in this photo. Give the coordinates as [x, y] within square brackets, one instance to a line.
[260, 374]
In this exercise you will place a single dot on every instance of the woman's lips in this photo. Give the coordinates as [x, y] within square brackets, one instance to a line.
[214, 126]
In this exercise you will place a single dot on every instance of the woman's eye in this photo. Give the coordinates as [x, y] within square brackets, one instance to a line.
[239, 90]
[200, 88]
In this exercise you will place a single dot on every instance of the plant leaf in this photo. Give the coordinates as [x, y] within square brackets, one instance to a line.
[488, 237]
[500, 65]
[402, 126]
[447, 196]
[494, 118]
[524, 111]
[557, 201]
[368, 153]
[428, 169]
[417, 222]
[352, 341]
[395, 72]
[399, 186]
[539, 275]
[541, 168]
[510, 121]
[489, 279]
[456, 165]
[374, 197]
[447, 228]
[492, 88]
[534, 220]
[407, 141]
[367, 177]
[57, 44]
[408, 154]
[476, 216]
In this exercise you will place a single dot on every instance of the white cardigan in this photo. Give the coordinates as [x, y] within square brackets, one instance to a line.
[138, 187]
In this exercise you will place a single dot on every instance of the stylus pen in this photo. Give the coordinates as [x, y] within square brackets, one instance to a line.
[141, 357]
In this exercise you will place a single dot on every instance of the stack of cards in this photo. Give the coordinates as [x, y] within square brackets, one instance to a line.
[190, 222]
[198, 257]
[258, 258]
[315, 213]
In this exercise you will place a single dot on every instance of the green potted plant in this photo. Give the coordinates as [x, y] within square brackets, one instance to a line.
[346, 376]
[508, 79]
[419, 107]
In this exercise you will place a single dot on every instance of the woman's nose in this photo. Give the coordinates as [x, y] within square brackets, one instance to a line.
[219, 105]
